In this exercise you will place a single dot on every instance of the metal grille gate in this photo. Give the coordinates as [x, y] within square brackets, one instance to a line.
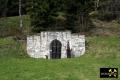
[55, 47]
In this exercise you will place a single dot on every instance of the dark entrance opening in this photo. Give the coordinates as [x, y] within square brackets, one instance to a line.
[68, 50]
[55, 47]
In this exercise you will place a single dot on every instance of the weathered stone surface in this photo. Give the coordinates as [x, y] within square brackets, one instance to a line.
[38, 46]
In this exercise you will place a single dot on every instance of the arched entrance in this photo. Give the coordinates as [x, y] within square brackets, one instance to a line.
[55, 47]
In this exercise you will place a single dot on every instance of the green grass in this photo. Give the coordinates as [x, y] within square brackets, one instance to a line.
[101, 52]
[16, 65]
[14, 21]
[104, 28]
[11, 48]
[104, 47]
[67, 69]
[9, 26]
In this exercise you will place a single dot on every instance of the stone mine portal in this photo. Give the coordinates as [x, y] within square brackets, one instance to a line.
[55, 45]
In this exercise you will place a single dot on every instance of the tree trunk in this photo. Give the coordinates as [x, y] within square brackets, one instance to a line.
[96, 4]
[20, 14]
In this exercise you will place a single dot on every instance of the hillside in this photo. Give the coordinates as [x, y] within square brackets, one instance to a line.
[104, 28]
[9, 26]
[102, 50]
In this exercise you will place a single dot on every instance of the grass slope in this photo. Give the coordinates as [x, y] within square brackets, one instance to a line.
[105, 28]
[10, 48]
[14, 21]
[101, 52]
[67, 69]
[16, 65]
[9, 26]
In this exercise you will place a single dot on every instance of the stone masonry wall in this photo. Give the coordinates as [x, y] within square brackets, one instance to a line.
[38, 46]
